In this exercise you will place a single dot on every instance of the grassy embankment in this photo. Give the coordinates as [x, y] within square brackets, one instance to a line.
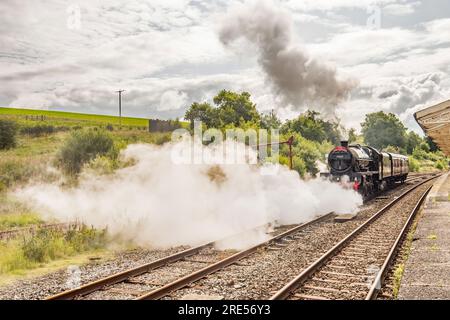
[41, 134]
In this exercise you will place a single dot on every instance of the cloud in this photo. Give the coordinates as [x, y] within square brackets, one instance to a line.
[324, 5]
[400, 95]
[166, 54]
[172, 99]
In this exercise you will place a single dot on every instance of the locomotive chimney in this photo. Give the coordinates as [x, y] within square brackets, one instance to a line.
[344, 143]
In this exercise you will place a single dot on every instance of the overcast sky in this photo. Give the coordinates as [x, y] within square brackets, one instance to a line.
[73, 55]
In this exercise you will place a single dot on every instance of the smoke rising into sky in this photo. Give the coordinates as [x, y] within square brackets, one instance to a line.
[157, 203]
[298, 79]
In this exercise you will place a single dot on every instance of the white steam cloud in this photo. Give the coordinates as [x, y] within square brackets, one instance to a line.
[158, 203]
[297, 78]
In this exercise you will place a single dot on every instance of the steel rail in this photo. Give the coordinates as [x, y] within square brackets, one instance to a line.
[186, 280]
[297, 282]
[122, 276]
[133, 272]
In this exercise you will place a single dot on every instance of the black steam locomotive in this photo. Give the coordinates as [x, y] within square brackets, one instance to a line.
[366, 169]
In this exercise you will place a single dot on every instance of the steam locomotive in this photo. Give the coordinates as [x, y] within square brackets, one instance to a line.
[365, 169]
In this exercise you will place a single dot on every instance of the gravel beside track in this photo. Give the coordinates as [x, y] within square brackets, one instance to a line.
[260, 275]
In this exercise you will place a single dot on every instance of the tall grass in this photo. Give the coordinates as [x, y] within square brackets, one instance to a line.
[13, 172]
[11, 220]
[48, 245]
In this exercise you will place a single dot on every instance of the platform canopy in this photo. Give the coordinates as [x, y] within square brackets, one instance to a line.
[435, 121]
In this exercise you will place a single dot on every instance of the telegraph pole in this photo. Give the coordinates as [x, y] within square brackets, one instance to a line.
[120, 106]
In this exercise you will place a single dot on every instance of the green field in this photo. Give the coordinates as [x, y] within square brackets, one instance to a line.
[60, 118]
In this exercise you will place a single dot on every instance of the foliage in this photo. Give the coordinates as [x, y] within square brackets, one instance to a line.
[235, 108]
[8, 221]
[47, 245]
[305, 154]
[412, 141]
[81, 147]
[392, 149]
[231, 108]
[414, 164]
[381, 130]
[312, 127]
[8, 131]
[433, 146]
[442, 164]
[352, 136]
[203, 112]
[13, 171]
[41, 130]
[270, 121]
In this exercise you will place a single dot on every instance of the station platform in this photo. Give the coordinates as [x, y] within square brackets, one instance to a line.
[427, 270]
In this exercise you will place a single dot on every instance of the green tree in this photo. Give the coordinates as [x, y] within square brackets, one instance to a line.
[433, 146]
[383, 129]
[352, 136]
[425, 146]
[412, 141]
[332, 131]
[234, 108]
[203, 112]
[308, 125]
[270, 121]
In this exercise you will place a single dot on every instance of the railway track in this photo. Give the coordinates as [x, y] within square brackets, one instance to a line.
[355, 267]
[147, 281]
[151, 281]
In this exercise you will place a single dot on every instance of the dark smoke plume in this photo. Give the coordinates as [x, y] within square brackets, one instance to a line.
[295, 77]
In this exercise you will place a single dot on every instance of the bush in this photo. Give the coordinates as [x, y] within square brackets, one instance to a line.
[101, 165]
[420, 154]
[81, 147]
[8, 221]
[414, 165]
[47, 245]
[13, 171]
[39, 130]
[109, 127]
[160, 138]
[8, 132]
[441, 164]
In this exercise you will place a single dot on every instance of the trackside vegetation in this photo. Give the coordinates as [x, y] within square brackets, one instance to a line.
[47, 245]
